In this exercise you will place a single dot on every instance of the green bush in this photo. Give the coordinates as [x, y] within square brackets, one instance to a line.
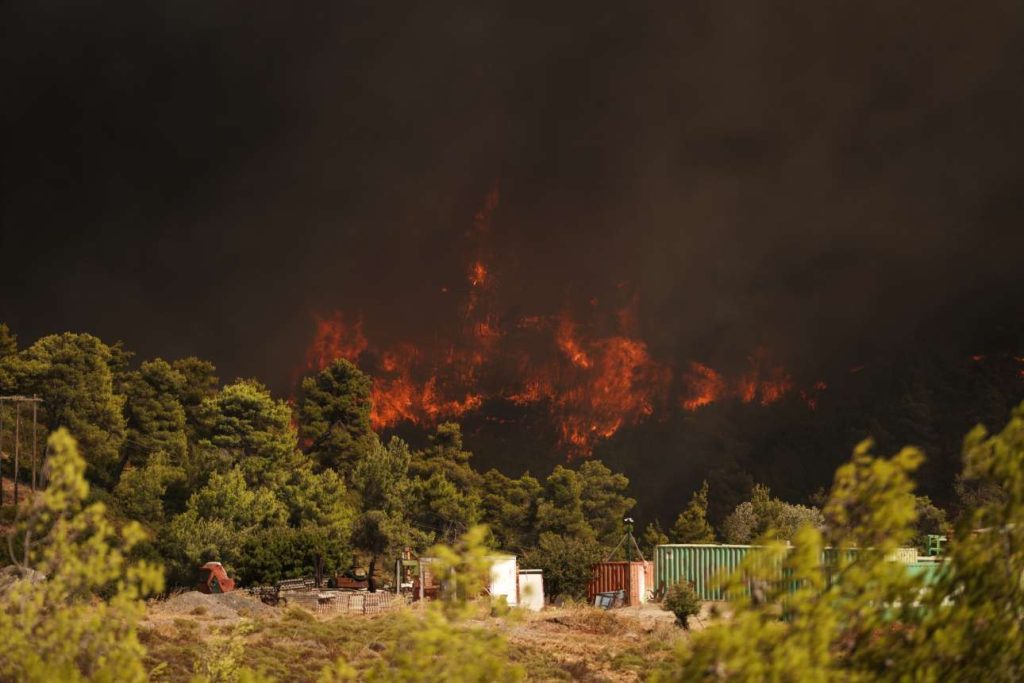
[682, 601]
[566, 562]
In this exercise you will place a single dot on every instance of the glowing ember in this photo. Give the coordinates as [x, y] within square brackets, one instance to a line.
[477, 274]
[812, 395]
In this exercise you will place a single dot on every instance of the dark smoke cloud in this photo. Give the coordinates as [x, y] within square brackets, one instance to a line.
[825, 180]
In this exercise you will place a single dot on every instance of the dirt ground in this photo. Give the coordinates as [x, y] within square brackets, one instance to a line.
[575, 642]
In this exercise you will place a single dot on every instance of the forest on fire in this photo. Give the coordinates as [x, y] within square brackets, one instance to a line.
[155, 467]
[269, 486]
[265, 484]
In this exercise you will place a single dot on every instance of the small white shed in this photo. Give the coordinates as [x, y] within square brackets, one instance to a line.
[505, 578]
[531, 589]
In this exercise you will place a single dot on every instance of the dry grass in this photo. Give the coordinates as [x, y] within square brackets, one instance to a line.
[575, 643]
[582, 643]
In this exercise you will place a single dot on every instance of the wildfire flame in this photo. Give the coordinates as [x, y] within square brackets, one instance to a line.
[591, 385]
[705, 386]
[334, 339]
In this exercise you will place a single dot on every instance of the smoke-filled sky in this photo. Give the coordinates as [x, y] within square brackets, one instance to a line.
[821, 179]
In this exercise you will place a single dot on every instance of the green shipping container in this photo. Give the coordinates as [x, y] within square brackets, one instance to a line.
[701, 565]
[706, 565]
[927, 569]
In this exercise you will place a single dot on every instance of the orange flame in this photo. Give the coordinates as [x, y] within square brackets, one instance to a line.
[334, 339]
[704, 386]
[591, 386]
[570, 346]
[614, 384]
[477, 274]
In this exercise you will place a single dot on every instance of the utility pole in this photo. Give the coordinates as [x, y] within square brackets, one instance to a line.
[35, 443]
[18, 401]
[1, 452]
[17, 447]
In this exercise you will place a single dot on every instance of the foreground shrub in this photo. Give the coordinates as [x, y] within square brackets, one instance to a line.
[682, 601]
[77, 623]
[802, 613]
[442, 644]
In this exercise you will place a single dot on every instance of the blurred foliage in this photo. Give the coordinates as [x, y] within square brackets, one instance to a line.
[72, 614]
[978, 633]
[801, 613]
[440, 647]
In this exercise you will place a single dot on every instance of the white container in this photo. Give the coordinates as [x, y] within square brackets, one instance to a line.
[504, 578]
[531, 589]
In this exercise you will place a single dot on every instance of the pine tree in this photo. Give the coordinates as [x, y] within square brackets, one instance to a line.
[653, 536]
[692, 524]
[560, 507]
[156, 419]
[72, 374]
[604, 500]
[334, 414]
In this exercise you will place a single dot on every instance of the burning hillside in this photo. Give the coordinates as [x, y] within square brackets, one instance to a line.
[592, 374]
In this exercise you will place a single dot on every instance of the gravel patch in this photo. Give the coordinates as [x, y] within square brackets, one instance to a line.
[233, 605]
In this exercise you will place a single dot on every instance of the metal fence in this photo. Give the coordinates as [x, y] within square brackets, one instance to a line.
[342, 602]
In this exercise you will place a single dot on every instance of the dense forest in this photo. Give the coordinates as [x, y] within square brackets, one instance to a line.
[273, 487]
[153, 467]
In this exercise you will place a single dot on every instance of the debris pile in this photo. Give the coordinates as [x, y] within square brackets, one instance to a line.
[232, 605]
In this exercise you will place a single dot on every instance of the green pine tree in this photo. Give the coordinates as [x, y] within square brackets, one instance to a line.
[692, 524]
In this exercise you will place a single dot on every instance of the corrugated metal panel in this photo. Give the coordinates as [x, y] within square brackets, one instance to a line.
[927, 569]
[607, 577]
[701, 565]
[705, 566]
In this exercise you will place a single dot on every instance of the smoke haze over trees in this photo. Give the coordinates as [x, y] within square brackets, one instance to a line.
[839, 185]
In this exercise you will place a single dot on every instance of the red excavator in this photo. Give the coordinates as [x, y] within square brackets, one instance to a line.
[214, 579]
